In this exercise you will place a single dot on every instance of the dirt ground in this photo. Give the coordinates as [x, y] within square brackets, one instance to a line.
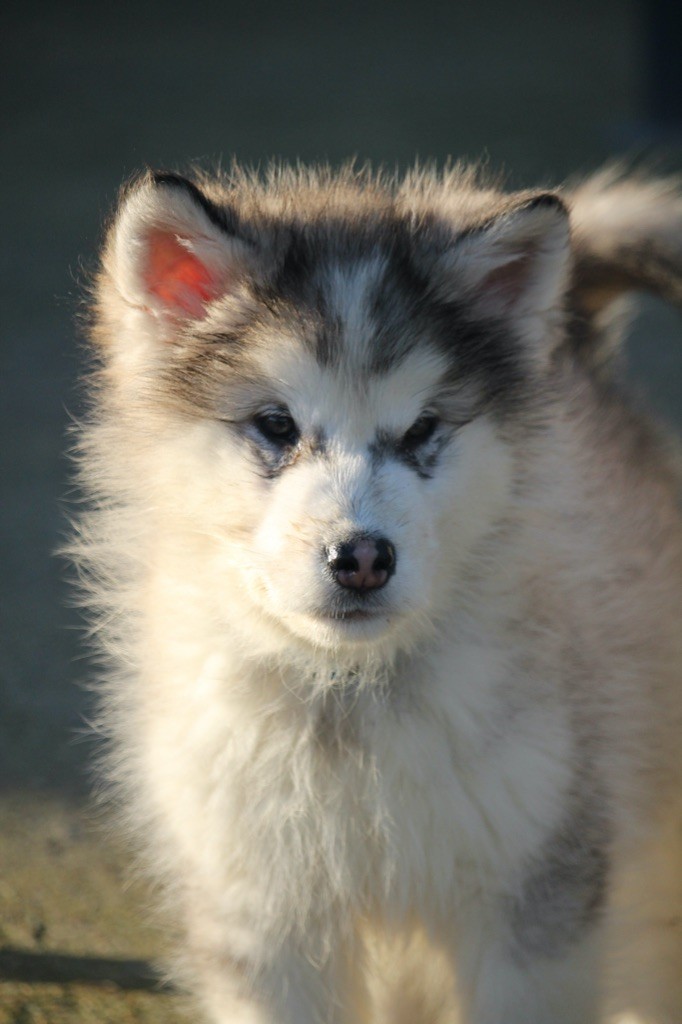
[95, 92]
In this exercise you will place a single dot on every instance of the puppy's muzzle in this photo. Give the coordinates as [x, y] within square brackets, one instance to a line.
[361, 563]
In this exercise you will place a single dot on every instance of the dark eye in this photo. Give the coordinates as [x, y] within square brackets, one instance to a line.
[277, 426]
[420, 431]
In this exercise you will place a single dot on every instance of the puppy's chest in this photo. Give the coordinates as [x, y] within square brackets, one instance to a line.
[429, 789]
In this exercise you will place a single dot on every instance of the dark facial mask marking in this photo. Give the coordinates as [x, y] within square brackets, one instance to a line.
[273, 458]
[422, 460]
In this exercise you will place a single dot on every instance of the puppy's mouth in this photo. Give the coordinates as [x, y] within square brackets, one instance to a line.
[354, 611]
[353, 615]
[346, 622]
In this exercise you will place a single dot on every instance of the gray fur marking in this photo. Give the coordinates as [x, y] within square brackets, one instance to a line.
[565, 890]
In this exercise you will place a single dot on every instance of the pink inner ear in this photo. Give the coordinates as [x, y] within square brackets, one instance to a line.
[509, 281]
[178, 277]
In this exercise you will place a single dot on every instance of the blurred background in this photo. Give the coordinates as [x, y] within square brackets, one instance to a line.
[539, 88]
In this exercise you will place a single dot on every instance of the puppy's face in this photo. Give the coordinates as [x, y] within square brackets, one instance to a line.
[333, 400]
[356, 497]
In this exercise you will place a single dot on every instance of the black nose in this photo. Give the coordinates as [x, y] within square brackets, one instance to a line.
[362, 563]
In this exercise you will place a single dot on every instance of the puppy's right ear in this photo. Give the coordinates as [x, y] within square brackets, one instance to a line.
[171, 253]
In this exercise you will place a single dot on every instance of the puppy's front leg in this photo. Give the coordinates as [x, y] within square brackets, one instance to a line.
[542, 990]
[241, 976]
[540, 977]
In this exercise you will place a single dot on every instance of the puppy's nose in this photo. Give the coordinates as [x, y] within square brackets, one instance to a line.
[362, 563]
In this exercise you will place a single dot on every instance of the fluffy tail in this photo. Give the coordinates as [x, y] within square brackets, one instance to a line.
[628, 237]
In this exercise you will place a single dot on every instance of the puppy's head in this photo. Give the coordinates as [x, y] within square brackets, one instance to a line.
[321, 386]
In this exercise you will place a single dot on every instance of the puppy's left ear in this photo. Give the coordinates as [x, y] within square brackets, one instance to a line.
[171, 253]
[514, 267]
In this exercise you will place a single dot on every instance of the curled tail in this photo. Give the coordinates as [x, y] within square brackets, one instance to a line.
[627, 237]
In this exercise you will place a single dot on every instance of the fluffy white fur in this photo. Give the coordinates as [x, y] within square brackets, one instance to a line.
[361, 819]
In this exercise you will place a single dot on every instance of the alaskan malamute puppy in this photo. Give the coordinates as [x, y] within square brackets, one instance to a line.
[388, 575]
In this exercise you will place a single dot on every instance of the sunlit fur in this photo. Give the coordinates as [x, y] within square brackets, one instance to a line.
[465, 805]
